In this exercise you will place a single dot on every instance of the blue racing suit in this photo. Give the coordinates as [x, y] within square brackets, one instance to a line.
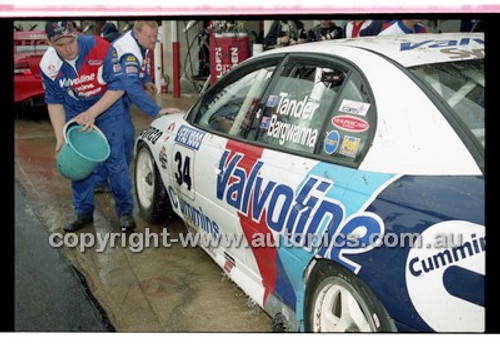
[133, 60]
[77, 86]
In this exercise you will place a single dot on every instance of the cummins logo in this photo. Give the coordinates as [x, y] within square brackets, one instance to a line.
[446, 283]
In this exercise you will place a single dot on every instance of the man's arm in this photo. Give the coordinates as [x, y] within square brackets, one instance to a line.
[134, 86]
[87, 118]
[57, 119]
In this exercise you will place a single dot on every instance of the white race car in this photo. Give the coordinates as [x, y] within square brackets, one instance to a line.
[340, 183]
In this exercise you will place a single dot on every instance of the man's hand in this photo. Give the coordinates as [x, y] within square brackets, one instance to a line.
[150, 88]
[86, 119]
[59, 144]
[285, 40]
[169, 111]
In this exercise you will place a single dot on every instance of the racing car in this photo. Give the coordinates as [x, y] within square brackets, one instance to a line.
[348, 177]
[29, 47]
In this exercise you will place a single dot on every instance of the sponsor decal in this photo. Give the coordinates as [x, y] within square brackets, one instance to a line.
[163, 158]
[350, 123]
[332, 141]
[152, 134]
[66, 82]
[446, 282]
[303, 109]
[51, 68]
[189, 137]
[297, 134]
[85, 85]
[171, 127]
[455, 53]
[350, 146]
[169, 130]
[228, 266]
[117, 67]
[264, 124]
[193, 215]
[131, 70]
[131, 58]
[229, 263]
[405, 46]
[271, 101]
[354, 107]
[95, 62]
[299, 214]
[291, 108]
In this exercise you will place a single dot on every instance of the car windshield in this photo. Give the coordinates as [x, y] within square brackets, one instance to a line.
[461, 86]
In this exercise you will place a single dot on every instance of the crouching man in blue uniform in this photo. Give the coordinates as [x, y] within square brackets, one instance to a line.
[132, 49]
[83, 81]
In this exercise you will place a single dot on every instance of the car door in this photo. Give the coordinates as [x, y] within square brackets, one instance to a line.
[315, 124]
[224, 115]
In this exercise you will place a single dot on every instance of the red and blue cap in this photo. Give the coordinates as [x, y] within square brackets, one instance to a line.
[59, 29]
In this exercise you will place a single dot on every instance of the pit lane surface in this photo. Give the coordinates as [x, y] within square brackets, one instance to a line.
[174, 289]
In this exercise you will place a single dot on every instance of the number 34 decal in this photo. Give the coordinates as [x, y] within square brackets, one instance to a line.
[183, 170]
[183, 174]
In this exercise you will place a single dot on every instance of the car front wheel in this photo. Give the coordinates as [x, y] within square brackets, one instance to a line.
[152, 198]
[338, 301]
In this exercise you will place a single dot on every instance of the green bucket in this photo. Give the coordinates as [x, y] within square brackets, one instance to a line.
[81, 152]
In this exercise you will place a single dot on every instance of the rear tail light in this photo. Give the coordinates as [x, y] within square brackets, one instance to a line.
[22, 68]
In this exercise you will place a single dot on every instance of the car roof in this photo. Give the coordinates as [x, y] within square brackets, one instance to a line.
[408, 50]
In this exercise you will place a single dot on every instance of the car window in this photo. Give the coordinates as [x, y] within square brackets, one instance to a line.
[229, 110]
[296, 107]
[350, 125]
[461, 86]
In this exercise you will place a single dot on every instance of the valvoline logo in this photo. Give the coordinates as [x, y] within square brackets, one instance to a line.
[301, 214]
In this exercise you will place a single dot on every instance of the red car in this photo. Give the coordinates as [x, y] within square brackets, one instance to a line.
[29, 47]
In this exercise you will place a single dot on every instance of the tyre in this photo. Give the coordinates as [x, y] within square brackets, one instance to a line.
[152, 198]
[338, 301]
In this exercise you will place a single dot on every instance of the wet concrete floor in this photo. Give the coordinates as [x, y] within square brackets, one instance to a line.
[50, 295]
[172, 289]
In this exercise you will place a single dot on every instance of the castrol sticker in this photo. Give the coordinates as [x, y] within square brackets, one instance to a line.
[350, 123]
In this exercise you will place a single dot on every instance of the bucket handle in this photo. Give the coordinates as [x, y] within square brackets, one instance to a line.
[72, 121]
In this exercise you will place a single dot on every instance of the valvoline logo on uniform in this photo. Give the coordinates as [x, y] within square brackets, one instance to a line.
[332, 140]
[350, 123]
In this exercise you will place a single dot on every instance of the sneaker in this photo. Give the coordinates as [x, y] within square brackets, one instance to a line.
[127, 222]
[78, 222]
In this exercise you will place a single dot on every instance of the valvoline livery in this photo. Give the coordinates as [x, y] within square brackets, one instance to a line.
[301, 214]
[372, 211]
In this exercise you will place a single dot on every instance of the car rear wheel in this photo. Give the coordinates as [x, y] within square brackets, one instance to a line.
[338, 301]
[152, 198]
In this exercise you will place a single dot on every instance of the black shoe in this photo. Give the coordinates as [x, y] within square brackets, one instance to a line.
[127, 222]
[99, 190]
[78, 222]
